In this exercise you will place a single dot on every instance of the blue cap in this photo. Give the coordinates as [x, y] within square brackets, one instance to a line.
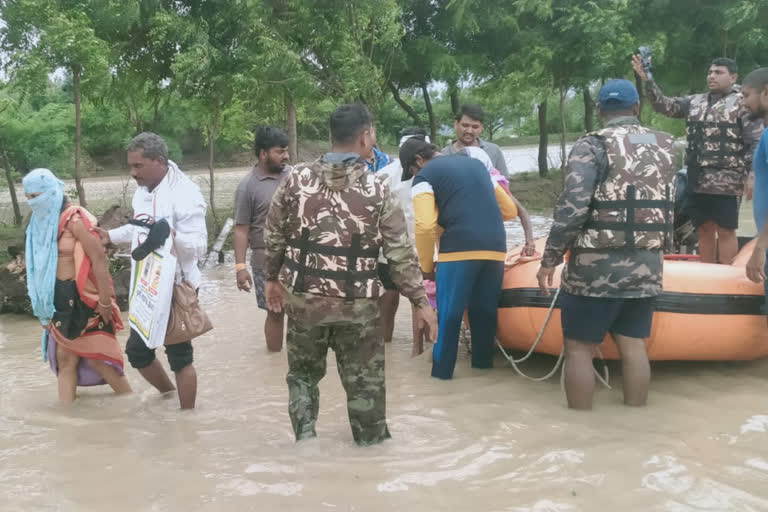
[618, 94]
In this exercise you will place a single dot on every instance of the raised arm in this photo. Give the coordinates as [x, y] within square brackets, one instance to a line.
[669, 106]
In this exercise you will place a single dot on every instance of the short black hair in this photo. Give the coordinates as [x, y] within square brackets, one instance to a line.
[267, 137]
[725, 62]
[757, 79]
[349, 121]
[475, 112]
[416, 145]
[151, 145]
[413, 130]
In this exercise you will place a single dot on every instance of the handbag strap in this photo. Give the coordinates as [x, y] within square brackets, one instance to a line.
[173, 238]
[176, 251]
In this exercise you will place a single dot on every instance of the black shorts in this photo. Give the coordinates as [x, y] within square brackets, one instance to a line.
[720, 209]
[385, 277]
[180, 355]
[589, 319]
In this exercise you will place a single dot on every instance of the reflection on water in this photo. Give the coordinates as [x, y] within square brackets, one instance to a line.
[486, 441]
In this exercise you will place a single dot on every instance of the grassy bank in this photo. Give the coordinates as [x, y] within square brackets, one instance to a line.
[537, 194]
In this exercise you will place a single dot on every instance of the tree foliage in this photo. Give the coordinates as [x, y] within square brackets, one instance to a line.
[203, 73]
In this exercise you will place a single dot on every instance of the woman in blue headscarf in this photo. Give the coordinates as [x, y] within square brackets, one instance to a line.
[71, 290]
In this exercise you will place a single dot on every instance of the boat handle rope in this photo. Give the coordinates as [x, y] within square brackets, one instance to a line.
[604, 379]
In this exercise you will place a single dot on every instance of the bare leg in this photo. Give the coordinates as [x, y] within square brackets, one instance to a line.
[186, 381]
[117, 382]
[67, 362]
[579, 375]
[155, 375]
[273, 331]
[708, 242]
[388, 304]
[728, 245]
[635, 369]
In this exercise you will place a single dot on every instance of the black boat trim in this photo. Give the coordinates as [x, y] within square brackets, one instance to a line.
[667, 302]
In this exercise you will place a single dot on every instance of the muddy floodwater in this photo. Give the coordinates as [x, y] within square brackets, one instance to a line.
[486, 441]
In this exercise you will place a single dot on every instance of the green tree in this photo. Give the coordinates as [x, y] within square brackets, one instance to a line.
[45, 35]
[581, 42]
[9, 171]
[215, 51]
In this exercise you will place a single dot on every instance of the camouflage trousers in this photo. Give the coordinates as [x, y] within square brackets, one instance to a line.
[359, 353]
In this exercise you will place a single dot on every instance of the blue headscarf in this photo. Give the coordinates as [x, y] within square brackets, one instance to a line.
[42, 252]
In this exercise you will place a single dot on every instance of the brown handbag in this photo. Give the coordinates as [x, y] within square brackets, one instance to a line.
[187, 319]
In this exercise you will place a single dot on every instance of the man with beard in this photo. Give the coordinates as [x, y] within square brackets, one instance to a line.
[252, 199]
[469, 126]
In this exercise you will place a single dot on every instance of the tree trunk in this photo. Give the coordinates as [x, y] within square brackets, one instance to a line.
[589, 122]
[494, 128]
[213, 129]
[563, 127]
[430, 112]
[290, 120]
[641, 93]
[543, 140]
[11, 187]
[76, 70]
[405, 106]
[455, 100]
[156, 113]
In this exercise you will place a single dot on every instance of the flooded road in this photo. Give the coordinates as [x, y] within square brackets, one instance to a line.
[487, 441]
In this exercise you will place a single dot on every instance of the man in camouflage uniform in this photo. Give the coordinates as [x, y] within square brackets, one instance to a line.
[615, 218]
[722, 137]
[324, 229]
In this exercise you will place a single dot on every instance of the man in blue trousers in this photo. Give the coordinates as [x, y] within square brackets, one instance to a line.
[458, 194]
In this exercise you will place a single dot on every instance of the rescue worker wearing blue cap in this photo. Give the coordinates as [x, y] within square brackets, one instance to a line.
[614, 217]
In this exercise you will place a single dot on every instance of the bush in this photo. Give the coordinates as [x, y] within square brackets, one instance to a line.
[43, 138]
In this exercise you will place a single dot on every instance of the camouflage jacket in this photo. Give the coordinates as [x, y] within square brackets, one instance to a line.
[621, 272]
[632, 205]
[320, 212]
[722, 137]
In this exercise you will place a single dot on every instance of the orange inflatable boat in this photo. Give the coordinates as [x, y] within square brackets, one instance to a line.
[706, 311]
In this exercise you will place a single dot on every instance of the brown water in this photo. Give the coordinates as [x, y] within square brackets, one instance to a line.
[486, 441]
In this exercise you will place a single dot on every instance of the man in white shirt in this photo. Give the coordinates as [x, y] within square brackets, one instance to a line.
[401, 188]
[165, 192]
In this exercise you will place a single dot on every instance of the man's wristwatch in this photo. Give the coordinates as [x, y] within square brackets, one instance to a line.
[240, 266]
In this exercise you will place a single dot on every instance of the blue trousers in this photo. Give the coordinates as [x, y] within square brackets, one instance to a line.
[461, 285]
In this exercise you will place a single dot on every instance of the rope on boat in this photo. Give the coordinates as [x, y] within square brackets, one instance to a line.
[604, 379]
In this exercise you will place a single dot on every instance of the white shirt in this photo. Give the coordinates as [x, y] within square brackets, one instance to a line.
[402, 191]
[178, 200]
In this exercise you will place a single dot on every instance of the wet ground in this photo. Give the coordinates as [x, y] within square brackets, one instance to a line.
[487, 441]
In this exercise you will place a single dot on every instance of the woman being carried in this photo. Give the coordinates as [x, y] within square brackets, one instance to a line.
[71, 290]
